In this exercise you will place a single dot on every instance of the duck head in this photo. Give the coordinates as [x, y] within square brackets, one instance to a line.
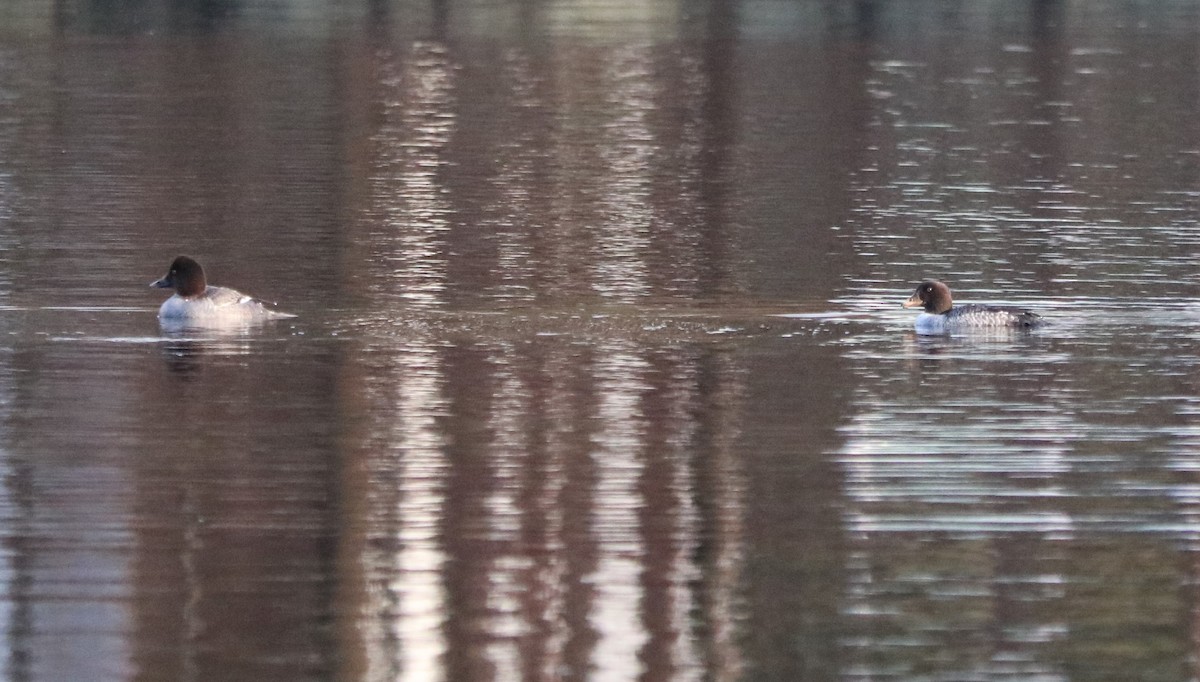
[185, 276]
[932, 296]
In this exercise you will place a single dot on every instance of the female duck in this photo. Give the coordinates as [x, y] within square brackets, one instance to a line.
[196, 303]
[941, 316]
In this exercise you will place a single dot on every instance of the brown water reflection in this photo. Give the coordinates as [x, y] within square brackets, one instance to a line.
[541, 510]
[598, 371]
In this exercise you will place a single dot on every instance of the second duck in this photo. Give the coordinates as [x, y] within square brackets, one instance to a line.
[941, 316]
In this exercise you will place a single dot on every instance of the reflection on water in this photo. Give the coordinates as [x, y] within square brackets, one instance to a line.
[991, 511]
[598, 370]
[533, 506]
[620, 272]
[408, 205]
[558, 517]
[619, 554]
[404, 557]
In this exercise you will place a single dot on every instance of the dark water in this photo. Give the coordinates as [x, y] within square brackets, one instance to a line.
[598, 370]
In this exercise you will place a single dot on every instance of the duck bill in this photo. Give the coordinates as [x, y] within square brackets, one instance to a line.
[913, 302]
[161, 283]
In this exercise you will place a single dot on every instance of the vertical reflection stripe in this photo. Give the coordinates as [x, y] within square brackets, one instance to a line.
[411, 642]
[617, 459]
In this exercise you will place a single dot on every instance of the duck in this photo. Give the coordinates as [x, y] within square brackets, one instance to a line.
[195, 303]
[941, 316]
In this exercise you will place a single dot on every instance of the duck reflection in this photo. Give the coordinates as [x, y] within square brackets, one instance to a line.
[184, 347]
[976, 344]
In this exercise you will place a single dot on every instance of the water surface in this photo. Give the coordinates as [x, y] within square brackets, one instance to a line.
[598, 370]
